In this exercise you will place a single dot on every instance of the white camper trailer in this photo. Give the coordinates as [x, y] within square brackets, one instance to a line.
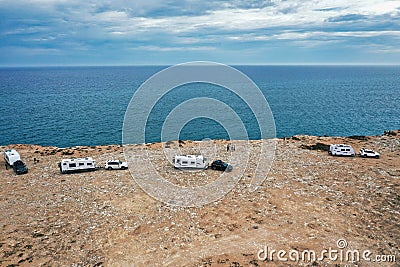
[11, 156]
[190, 162]
[77, 165]
[341, 150]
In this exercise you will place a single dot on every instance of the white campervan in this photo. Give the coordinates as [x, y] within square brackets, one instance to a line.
[341, 150]
[77, 165]
[11, 156]
[190, 162]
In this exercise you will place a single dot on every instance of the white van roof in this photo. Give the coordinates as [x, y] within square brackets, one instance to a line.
[78, 159]
[189, 156]
[340, 145]
[12, 154]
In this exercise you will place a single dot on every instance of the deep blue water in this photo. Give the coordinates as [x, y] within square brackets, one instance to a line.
[68, 106]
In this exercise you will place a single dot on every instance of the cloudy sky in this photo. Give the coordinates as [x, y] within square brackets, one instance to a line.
[137, 32]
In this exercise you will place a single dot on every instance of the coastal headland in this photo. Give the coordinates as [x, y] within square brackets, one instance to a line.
[308, 202]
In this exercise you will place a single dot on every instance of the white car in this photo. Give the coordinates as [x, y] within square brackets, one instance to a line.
[116, 165]
[368, 153]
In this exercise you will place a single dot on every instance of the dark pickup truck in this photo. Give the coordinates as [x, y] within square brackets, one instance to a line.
[20, 167]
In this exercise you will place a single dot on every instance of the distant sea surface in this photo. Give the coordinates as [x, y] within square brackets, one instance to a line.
[69, 106]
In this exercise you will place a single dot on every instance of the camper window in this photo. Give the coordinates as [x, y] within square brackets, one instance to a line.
[89, 164]
[178, 160]
[81, 163]
[72, 165]
[64, 163]
[192, 162]
[184, 162]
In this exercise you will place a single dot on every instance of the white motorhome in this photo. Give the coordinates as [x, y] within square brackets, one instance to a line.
[77, 165]
[341, 150]
[190, 162]
[11, 156]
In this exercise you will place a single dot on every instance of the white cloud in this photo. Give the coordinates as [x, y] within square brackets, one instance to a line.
[289, 13]
[112, 16]
[33, 51]
[291, 35]
[284, 14]
[174, 49]
[194, 25]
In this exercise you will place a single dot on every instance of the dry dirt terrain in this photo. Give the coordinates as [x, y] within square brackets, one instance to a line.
[308, 201]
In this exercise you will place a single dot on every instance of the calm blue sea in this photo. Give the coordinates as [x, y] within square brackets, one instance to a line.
[68, 106]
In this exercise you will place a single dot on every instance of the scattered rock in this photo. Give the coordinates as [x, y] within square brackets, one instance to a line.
[317, 146]
[390, 133]
[359, 137]
[68, 152]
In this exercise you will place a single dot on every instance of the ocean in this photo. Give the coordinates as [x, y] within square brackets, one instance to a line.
[70, 106]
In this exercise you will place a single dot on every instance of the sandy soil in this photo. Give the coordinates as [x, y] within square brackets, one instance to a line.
[308, 201]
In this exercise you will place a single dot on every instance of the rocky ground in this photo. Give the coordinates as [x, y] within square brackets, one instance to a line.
[308, 201]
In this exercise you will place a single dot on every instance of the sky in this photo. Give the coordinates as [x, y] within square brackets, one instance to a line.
[163, 32]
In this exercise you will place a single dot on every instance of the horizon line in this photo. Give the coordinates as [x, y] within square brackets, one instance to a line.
[172, 64]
